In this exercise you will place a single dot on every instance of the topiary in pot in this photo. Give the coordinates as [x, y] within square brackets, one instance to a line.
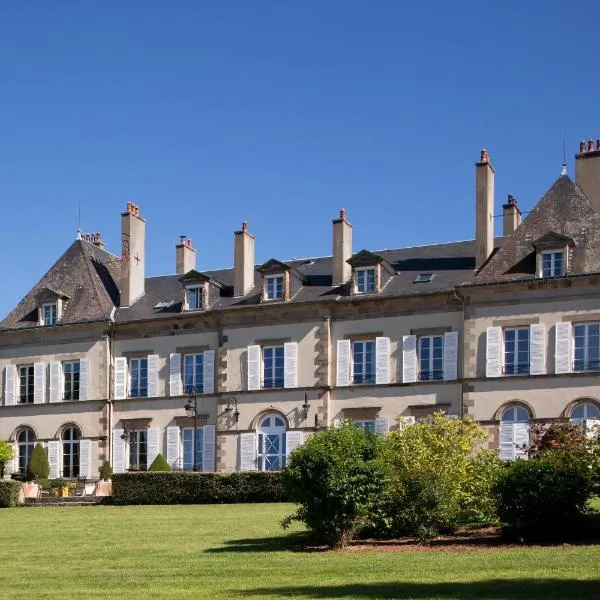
[38, 467]
[105, 471]
[159, 464]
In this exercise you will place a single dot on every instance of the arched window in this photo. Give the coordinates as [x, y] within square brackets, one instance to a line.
[271, 443]
[25, 444]
[70, 451]
[514, 432]
[584, 411]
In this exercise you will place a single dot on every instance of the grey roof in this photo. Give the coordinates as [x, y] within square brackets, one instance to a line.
[84, 273]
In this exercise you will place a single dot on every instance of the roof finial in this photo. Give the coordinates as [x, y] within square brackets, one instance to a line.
[563, 170]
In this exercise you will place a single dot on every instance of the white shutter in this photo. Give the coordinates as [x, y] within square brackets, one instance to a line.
[343, 363]
[173, 446]
[381, 426]
[254, 367]
[409, 358]
[521, 438]
[54, 458]
[175, 383]
[120, 379]
[208, 448]
[562, 347]
[84, 379]
[55, 381]
[337, 423]
[39, 383]
[208, 372]
[152, 376]
[293, 439]
[247, 451]
[507, 446]
[382, 360]
[10, 385]
[592, 428]
[493, 352]
[118, 448]
[290, 365]
[85, 458]
[537, 349]
[451, 355]
[153, 445]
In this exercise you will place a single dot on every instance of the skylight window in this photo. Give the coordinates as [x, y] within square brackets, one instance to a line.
[424, 277]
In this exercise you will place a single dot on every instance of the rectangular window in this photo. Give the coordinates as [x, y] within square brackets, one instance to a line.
[138, 450]
[49, 314]
[516, 351]
[194, 298]
[188, 451]
[274, 287]
[71, 380]
[586, 347]
[138, 377]
[193, 373]
[368, 426]
[363, 362]
[273, 367]
[553, 264]
[365, 280]
[26, 385]
[431, 358]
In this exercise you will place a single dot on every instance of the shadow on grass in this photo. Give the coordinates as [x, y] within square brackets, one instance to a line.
[518, 589]
[292, 542]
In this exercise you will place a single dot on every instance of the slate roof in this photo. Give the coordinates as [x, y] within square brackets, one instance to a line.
[84, 273]
[563, 212]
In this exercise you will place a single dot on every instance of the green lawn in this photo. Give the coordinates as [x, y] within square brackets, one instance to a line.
[239, 551]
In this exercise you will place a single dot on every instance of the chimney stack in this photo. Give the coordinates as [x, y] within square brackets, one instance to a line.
[94, 238]
[133, 242]
[185, 256]
[511, 215]
[342, 249]
[587, 171]
[484, 209]
[243, 261]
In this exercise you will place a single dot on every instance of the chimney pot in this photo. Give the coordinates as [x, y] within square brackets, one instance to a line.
[244, 225]
[343, 214]
[485, 157]
[581, 147]
[598, 145]
[590, 147]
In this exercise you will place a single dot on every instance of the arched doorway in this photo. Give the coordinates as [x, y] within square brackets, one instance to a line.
[25, 445]
[70, 451]
[271, 443]
[514, 432]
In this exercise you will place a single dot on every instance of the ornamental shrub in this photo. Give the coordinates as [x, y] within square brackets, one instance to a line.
[9, 493]
[544, 497]
[106, 471]
[38, 467]
[336, 477]
[6, 455]
[159, 464]
[439, 477]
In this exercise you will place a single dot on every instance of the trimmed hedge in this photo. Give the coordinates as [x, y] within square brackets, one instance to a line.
[183, 487]
[9, 493]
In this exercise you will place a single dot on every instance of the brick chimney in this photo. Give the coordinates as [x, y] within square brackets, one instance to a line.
[185, 255]
[484, 209]
[342, 249]
[133, 243]
[243, 261]
[511, 215]
[587, 170]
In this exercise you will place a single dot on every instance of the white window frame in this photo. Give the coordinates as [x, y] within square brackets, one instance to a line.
[515, 365]
[584, 404]
[198, 385]
[64, 380]
[137, 433]
[262, 432]
[552, 254]
[367, 379]
[273, 367]
[29, 384]
[199, 448]
[136, 370]
[277, 291]
[430, 360]
[361, 280]
[199, 292]
[73, 444]
[53, 306]
[586, 349]
[28, 445]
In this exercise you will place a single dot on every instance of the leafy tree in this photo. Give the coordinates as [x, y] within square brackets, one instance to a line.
[336, 477]
[38, 467]
[159, 464]
[6, 455]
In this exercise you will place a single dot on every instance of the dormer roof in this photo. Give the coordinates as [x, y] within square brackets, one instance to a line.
[366, 258]
[552, 239]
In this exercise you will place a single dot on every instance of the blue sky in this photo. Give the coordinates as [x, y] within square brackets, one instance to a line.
[279, 113]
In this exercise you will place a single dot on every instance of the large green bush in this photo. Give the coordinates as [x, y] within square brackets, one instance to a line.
[159, 464]
[336, 477]
[9, 493]
[544, 497]
[439, 477]
[38, 467]
[6, 455]
[184, 487]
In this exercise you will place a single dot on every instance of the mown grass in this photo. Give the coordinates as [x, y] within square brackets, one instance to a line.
[240, 551]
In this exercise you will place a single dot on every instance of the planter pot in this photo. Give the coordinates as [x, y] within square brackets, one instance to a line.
[64, 491]
[31, 490]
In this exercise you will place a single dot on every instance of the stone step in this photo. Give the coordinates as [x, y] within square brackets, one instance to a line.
[69, 501]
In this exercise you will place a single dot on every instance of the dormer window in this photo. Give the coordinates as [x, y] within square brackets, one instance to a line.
[552, 254]
[193, 297]
[365, 280]
[49, 313]
[274, 287]
[553, 263]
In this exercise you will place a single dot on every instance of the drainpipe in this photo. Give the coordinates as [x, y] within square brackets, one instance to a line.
[462, 354]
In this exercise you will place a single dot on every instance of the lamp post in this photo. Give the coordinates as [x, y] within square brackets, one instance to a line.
[305, 407]
[191, 408]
